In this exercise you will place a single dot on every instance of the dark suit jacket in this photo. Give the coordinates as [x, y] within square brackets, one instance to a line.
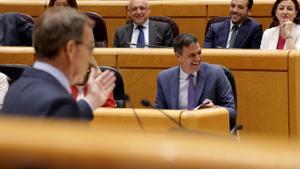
[37, 93]
[248, 37]
[160, 34]
[212, 84]
[14, 30]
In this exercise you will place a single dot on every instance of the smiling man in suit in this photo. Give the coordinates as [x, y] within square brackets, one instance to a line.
[238, 31]
[140, 31]
[193, 82]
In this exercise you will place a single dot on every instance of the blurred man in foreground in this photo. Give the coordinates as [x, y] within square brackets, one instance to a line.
[63, 42]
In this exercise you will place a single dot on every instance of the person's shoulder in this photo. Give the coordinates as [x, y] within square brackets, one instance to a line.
[168, 72]
[253, 22]
[220, 24]
[124, 27]
[213, 68]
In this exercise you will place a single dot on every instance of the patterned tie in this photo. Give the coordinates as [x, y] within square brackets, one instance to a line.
[233, 36]
[191, 93]
[141, 37]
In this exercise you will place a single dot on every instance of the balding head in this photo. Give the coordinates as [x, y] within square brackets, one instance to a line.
[139, 11]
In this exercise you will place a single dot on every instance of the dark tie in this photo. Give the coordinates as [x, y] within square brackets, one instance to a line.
[141, 37]
[233, 36]
[191, 93]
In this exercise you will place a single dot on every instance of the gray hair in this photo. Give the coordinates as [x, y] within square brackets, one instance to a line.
[55, 28]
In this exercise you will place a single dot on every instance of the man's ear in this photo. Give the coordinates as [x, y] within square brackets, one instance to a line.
[177, 55]
[249, 11]
[70, 49]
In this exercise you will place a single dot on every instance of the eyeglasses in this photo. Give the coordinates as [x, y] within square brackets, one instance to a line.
[90, 46]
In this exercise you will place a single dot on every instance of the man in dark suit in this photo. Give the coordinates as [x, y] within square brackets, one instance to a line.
[238, 31]
[63, 41]
[193, 82]
[140, 31]
[15, 30]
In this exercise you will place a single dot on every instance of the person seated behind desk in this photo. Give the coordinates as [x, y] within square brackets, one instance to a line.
[80, 90]
[142, 32]
[15, 30]
[287, 34]
[238, 31]
[193, 82]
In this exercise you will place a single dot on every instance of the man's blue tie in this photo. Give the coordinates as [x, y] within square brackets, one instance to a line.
[141, 37]
[191, 93]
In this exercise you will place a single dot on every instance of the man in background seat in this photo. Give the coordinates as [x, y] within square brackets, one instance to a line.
[15, 30]
[140, 31]
[238, 31]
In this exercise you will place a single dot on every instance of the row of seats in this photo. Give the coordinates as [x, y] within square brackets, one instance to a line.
[14, 71]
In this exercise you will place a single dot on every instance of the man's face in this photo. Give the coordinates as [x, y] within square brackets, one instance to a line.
[190, 58]
[138, 11]
[238, 11]
[84, 55]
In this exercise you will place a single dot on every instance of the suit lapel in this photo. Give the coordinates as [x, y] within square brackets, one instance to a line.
[224, 33]
[242, 34]
[152, 32]
[175, 89]
[128, 34]
[2, 29]
[201, 78]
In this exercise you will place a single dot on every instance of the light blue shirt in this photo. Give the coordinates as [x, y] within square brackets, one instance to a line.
[57, 74]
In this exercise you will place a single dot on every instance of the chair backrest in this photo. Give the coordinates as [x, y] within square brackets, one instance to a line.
[119, 91]
[27, 18]
[100, 31]
[13, 71]
[166, 19]
[214, 20]
[231, 80]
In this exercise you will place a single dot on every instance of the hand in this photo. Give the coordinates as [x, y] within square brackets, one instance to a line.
[286, 29]
[99, 87]
[207, 103]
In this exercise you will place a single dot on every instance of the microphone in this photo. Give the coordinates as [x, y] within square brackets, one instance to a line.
[127, 99]
[147, 103]
[147, 45]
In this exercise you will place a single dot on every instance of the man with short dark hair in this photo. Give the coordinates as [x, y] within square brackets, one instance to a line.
[63, 42]
[238, 31]
[193, 82]
[141, 32]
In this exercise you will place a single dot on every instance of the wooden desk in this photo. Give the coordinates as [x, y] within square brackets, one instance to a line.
[267, 84]
[214, 120]
[59, 144]
[31, 7]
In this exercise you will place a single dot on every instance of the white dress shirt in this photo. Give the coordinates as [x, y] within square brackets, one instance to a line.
[135, 34]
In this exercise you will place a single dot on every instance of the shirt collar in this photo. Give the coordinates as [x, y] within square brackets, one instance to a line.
[145, 24]
[183, 75]
[231, 25]
[57, 74]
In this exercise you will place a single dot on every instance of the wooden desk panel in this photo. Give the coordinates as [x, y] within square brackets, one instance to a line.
[213, 120]
[140, 84]
[32, 7]
[109, 9]
[16, 55]
[263, 102]
[195, 26]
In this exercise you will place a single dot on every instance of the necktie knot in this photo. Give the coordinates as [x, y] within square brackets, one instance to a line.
[140, 27]
[235, 27]
[190, 77]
